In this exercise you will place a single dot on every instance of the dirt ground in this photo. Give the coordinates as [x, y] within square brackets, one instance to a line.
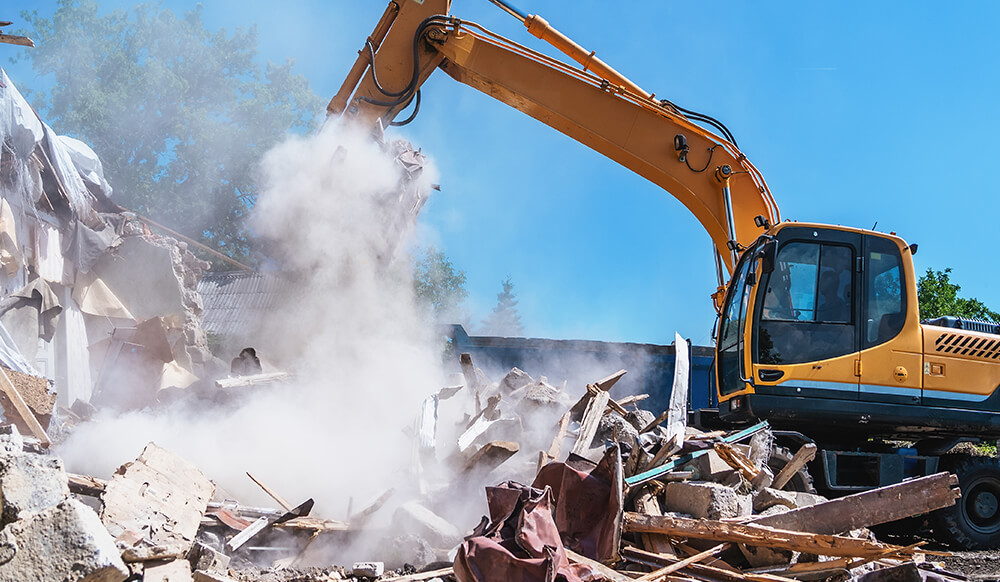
[979, 566]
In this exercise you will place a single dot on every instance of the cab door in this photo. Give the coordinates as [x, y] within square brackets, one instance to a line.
[807, 338]
[891, 358]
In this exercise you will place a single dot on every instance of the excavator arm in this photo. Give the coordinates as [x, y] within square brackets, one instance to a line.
[594, 105]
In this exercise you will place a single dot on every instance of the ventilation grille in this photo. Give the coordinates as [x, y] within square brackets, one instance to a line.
[967, 345]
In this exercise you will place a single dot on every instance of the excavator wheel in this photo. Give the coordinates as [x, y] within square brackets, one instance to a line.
[973, 523]
[801, 481]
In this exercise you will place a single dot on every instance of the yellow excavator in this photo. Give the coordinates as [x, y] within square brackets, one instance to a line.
[819, 330]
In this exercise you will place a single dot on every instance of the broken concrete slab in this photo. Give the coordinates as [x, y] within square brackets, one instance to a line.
[705, 500]
[167, 571]
[64, 542]
[514, 380]
[158, 501]
[368, 569]
[30, 483]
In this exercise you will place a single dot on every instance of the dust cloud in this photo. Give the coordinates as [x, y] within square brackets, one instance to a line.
[362, 354]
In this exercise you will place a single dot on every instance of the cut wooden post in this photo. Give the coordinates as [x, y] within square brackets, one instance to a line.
[878, 506]
[666, 570]
[648, 504]
[753, 534]
[22, 409]
[806, 453]
[281, 500]
[591, 420]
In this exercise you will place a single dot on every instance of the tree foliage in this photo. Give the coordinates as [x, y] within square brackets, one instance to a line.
[504, 320]
[180, 115]
[938, 296]
[438, 284]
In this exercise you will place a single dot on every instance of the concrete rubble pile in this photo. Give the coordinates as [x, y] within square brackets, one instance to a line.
[610, 492]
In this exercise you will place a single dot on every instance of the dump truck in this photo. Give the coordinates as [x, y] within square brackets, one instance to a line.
[819, 330]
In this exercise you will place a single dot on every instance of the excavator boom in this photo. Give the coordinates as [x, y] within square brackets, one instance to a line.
[593, 104]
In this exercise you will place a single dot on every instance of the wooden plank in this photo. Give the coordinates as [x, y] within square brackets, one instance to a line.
[362, 516]
[281, 500]
[606, 383]
[840, 564]
[596, 566]
[22, 409]
[752, 534]
[490, 456]
[18, 40]
[806, 453]
[86, 485]
[633, 399]
[663, 572]
[648, 503]
[556, 447]
[591, 420]
[655, 422]
[712, 569]
[878, 506]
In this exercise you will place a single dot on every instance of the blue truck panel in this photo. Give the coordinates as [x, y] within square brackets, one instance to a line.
[579, 362]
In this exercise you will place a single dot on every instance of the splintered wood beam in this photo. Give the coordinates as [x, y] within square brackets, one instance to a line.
[591, 422]
[490, 456]
[806, 453]
[598, 567]
[878, 506]
[281, 500]
[647, 503]
[753, 534]
[22, 409]
[606, 383]
[679, 565]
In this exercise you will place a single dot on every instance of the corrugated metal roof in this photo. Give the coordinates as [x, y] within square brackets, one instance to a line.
[235, 301]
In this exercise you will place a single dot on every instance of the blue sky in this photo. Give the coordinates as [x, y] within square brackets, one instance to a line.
[855, 113]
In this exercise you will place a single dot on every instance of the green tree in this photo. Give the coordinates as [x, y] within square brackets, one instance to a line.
[180, 115]
[438, 284]
[504, 319]
[939, 296]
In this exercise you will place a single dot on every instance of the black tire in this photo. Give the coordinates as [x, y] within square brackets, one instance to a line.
[801, 481]
[973, 523]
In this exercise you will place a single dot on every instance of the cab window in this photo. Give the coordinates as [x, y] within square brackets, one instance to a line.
[885, 302]
[807, 312]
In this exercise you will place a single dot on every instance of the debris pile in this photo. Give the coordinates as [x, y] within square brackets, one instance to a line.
[635, 497]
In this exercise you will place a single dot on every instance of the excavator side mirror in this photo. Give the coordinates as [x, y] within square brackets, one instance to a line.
[767, 256]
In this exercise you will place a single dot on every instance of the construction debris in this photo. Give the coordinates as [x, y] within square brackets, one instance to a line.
[637, 498]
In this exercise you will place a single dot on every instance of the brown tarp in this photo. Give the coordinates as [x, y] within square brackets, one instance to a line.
[519, 542]
[588, 503]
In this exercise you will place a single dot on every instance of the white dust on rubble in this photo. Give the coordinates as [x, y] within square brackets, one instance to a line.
[363, 357]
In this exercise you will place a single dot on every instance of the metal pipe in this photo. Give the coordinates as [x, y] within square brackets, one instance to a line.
[539, 27]
[509, 9]
[339, 102]
[728, 197]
